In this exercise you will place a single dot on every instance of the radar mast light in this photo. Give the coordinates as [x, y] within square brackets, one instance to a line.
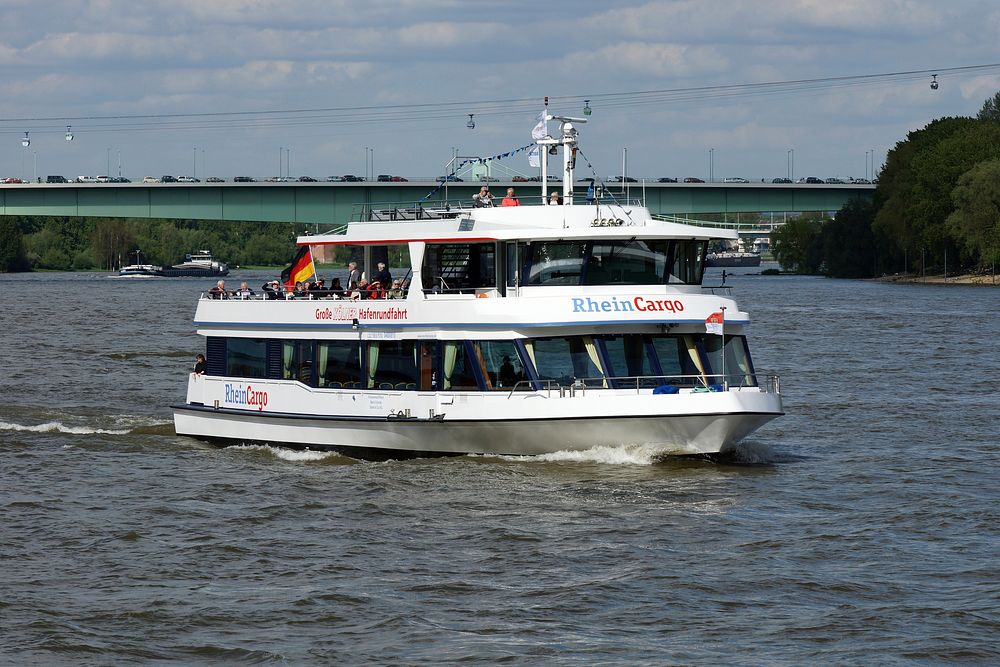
[69, 133]
[934, 82]
[471, 124]
[25, 141]
[586, 108]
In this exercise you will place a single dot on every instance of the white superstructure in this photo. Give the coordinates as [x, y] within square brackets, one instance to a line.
[522, 330]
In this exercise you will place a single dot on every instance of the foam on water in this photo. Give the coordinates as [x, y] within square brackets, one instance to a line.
[642, 455]
[59, 427]
[294, 455]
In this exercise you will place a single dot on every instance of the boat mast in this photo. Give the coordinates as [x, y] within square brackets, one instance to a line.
[567, 140]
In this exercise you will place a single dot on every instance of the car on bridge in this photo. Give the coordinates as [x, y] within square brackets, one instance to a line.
[735, 179]
[666, 180]
[835, 181]
[12, 180]
[168, 179]
[384, 178]
[55, 179]
[244, 179]
[215, 179]
[811, 180]
[150, 179]
[781, 180]
[187, 179]
[86, 179]
[692, 179]
[399, 179]
[306, 179]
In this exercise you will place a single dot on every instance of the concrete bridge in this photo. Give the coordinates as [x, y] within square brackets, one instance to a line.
[336, 203]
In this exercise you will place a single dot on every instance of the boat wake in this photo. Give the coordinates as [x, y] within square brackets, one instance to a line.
[293, 455]
[642, 455]
[59, 427]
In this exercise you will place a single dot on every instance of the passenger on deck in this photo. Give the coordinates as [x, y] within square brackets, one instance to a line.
[375, 290]
[397, 289]
[507, 376]
[510, 199]
[362, 290]
[244, 292]
[483, 198]
[336, 289]
[353, 275]
[219, 291]
[382, 275]
[199, 364]
[271, 290]
[555, 199]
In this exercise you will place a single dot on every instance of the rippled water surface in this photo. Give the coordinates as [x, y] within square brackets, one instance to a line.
[861, 528]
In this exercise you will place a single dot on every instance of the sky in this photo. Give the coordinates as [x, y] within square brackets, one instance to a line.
[333, 87]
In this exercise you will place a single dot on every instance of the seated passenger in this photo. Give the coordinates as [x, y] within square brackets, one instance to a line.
[244, 292]
[219, 291]
[362, 289]
[375, 290]
[337, 289]
[271, 290]
[507, 375]
[396, 292]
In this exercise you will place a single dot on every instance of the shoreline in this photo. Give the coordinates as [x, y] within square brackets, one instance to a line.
[982, 279]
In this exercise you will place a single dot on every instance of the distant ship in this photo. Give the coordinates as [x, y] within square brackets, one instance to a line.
[732, 258]
[197, 264]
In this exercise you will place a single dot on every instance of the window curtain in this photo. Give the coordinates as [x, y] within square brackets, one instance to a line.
[529, 347]
[322, 354]
[481, 360]
[695, 357]
[372, 363]
[450, 356]
[287, 357]
[588, 345]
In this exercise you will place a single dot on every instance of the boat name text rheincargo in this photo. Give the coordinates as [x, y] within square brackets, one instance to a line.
[237, 395]
[616, 305]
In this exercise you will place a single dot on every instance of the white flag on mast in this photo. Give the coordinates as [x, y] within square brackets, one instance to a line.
[541, 127]
[714, 324]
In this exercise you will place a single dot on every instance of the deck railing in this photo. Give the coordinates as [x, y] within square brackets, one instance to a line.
[768, 384]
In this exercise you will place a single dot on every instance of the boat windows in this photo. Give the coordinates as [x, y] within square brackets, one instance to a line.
[459, 267]
[648, 262]
[627, 262]
[297, 360]
[338, 364]
[458, 367]
[502, 365]
[738, 368]
[566, 360]
[679, 360]
[392, 364]
[555, 263]
[630, 357]
[246, 357]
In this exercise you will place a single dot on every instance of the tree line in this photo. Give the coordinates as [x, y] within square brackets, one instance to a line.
[75, 243]
[936, 206]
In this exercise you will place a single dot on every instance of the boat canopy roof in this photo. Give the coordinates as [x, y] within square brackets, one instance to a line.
[603, 221]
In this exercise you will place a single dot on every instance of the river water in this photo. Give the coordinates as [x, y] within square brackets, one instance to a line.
[859, 529]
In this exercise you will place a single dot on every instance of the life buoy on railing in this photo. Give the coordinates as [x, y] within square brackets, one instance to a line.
[482, 295]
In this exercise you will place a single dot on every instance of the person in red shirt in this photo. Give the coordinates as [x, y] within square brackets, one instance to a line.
[510, 199]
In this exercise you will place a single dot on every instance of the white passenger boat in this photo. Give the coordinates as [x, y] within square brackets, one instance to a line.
[524, 330]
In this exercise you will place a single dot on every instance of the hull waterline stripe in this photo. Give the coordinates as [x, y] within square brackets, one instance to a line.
[415, 420]
[445, 325]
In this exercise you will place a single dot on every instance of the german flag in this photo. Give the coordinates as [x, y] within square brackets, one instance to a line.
[301, 268]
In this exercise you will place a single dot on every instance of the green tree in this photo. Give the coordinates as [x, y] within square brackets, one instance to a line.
[991, 108]
[975, 223]
[796, 245]
[848, 242]
[12, 252]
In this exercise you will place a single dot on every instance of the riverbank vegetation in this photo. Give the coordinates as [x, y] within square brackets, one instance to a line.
[936, 209]
[65, 244]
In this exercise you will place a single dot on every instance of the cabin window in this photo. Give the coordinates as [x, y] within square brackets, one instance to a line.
[679, 360]
[566, 360]
[246, 357]
[650, 262]
[338, 364]
[458, 367]
[392, 364]
[459, 267]
[738, 368]
[554, 263]
[297, 360]
[627, 263]
[631, 356]
[502, 365]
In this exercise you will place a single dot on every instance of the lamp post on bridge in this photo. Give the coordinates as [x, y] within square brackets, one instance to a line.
[790, 163]
[711, 165]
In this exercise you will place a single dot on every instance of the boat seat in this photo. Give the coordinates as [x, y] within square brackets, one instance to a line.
[385, 385]
[335, 385]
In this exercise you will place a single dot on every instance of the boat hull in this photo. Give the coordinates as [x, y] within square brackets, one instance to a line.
[680, 434]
